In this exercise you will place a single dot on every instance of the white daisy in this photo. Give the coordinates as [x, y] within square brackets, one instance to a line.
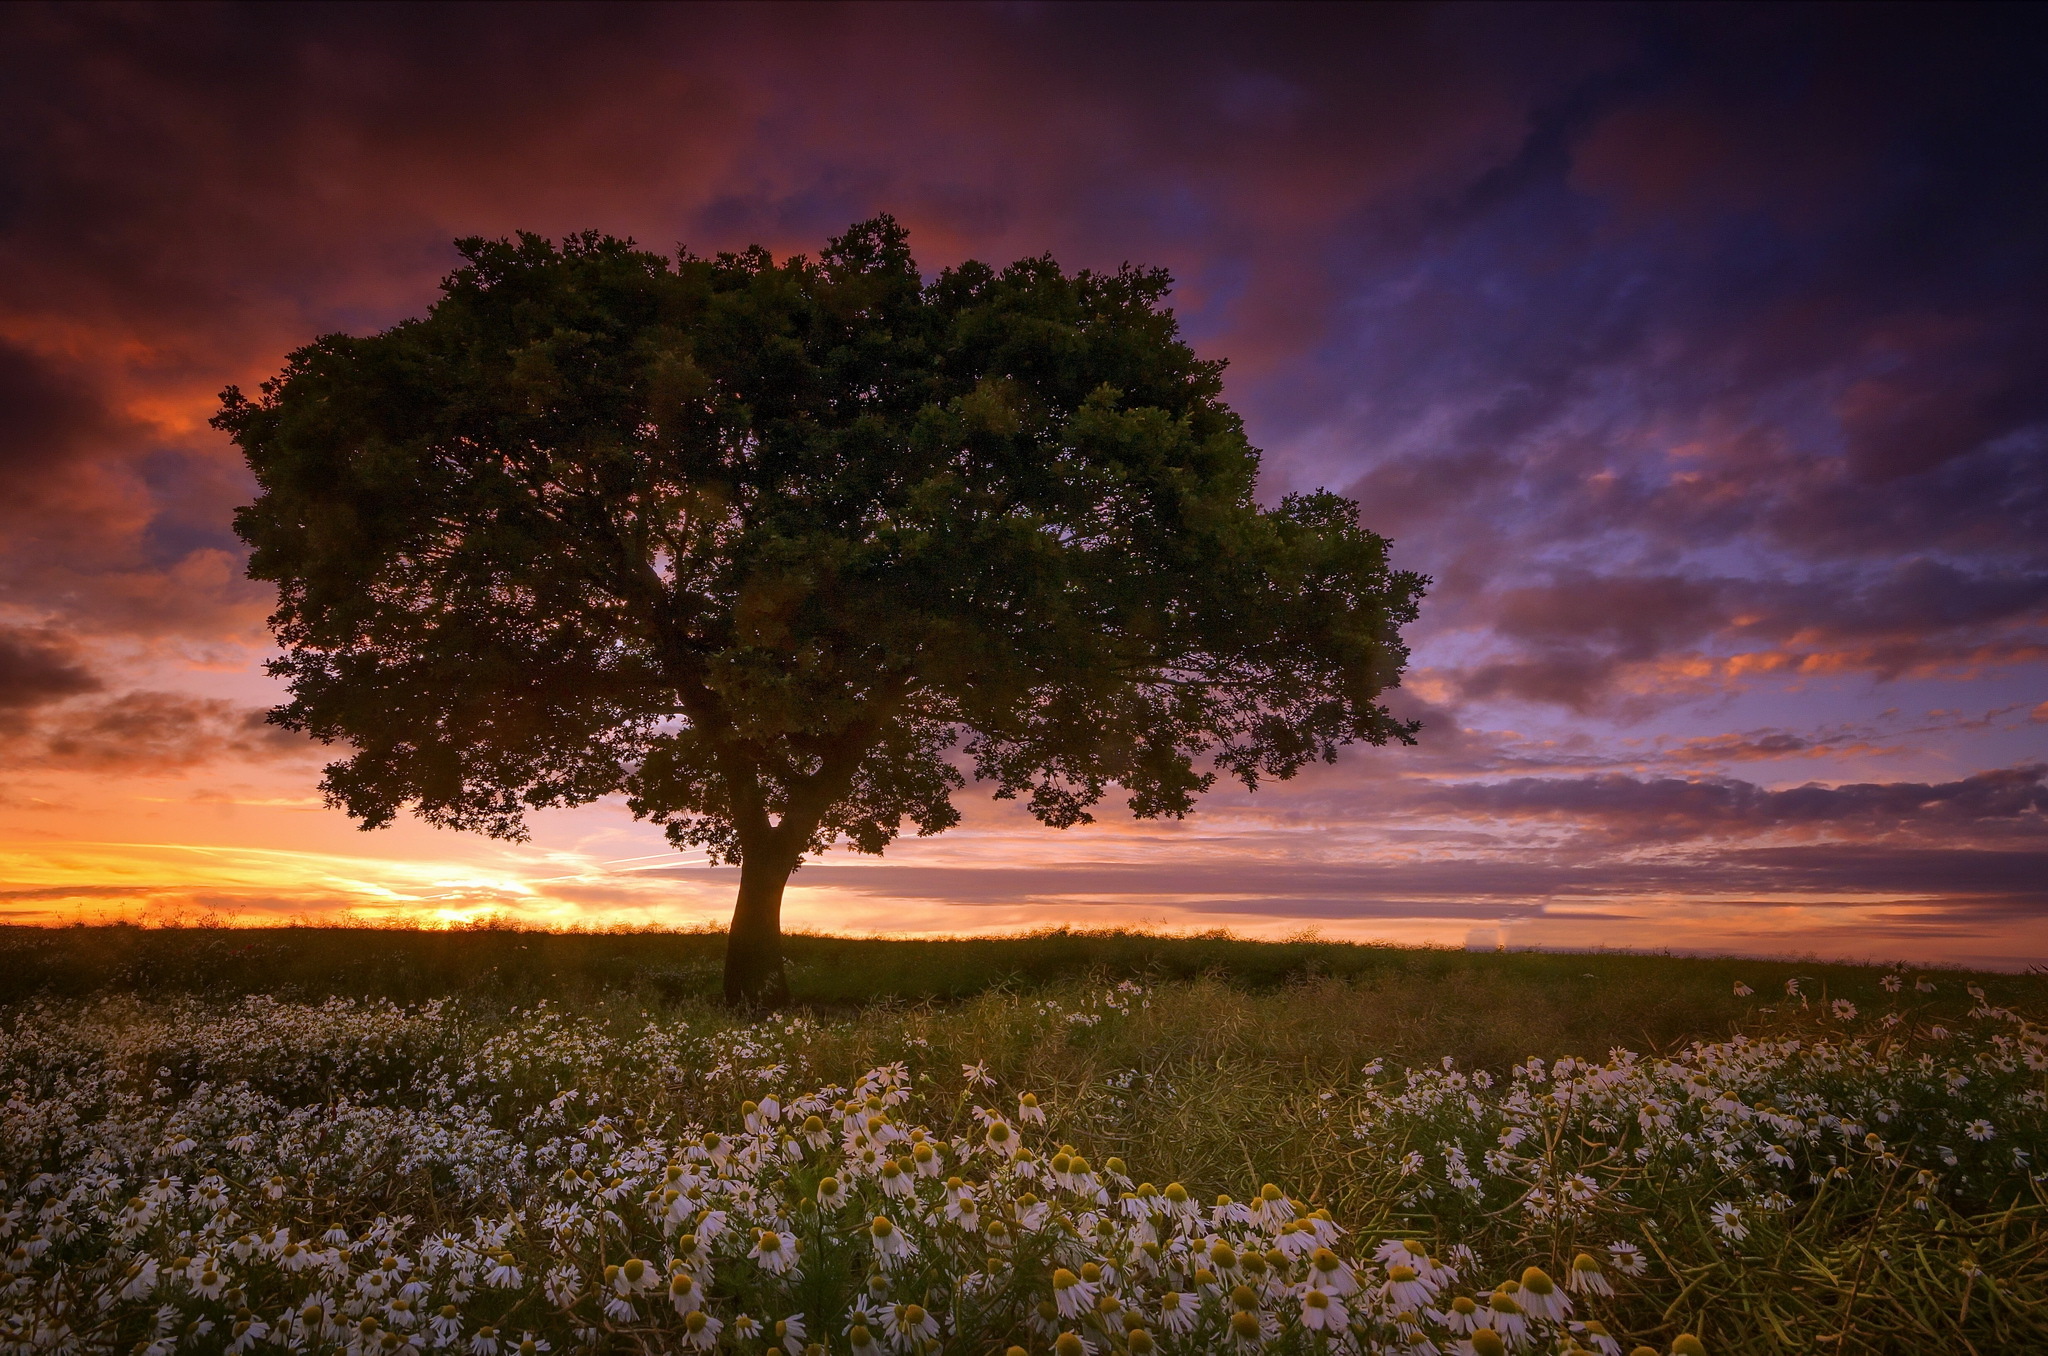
[700, 1330]
[1586, 1277]
[1177, 1312]
[1322, 1312]
[774, 1251]
[891, 1244]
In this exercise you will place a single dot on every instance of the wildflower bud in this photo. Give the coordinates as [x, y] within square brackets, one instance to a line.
[1016, 1351]
[1244, 1297]
[1067, 1344]
[1244, 1325]
[1486, 1342]
[1643, 1351]
[1685, 1344]
[1090, 1272]
[1140, 1342]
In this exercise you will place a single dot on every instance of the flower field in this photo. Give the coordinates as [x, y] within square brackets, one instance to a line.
[1094, 1167]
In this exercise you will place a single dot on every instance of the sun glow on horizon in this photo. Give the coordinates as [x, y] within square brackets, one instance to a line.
[558, 887]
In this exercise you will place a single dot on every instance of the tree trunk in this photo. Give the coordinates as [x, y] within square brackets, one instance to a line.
[754, 975]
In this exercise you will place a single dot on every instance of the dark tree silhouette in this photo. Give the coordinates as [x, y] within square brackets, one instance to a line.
[777, 550]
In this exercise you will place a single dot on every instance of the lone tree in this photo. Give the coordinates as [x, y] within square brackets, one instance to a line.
[777, 549]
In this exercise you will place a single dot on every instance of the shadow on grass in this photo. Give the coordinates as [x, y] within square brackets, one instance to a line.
[1419, 1002]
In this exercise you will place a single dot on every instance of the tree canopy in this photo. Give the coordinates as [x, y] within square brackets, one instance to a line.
[783, 551]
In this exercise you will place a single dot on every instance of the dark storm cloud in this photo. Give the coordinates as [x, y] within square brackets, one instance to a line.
[45, 419]
[1775, 288]
[196, 190]
[1614, 807]
[146, 732]
[1527, 250]
[1573, 638]
[36, 669]
[1983, 883]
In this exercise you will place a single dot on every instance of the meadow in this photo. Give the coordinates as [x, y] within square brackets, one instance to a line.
[498, 1141]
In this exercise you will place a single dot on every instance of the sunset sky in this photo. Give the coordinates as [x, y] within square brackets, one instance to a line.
[1699, 354]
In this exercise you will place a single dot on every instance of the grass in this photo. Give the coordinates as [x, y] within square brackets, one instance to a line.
[1414, 1005]
[1241, 1063]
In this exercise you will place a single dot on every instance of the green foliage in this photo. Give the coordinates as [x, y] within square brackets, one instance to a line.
[772, 547]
